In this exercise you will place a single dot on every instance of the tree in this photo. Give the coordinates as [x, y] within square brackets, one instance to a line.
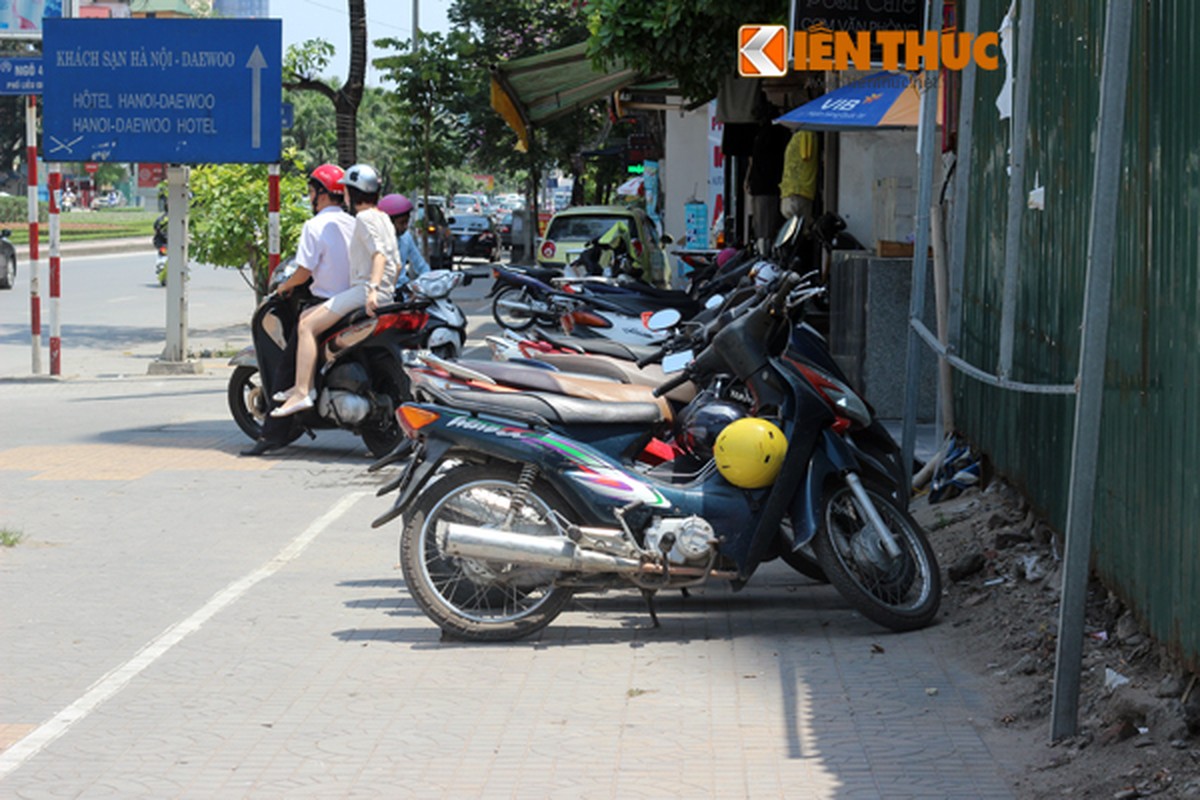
[694, 41]
[228, 222]
[303, 64]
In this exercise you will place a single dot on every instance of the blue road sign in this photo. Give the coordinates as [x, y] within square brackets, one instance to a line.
[20, 75]
[182, 91]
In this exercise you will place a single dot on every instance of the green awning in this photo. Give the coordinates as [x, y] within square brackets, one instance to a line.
[532, 90]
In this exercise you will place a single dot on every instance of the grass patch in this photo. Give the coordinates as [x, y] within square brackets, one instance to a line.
[10, 538]
[80, 226]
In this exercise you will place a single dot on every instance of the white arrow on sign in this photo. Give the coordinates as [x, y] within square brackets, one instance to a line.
[256, 63]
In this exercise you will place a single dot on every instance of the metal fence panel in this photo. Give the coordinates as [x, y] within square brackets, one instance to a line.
[1147, 541]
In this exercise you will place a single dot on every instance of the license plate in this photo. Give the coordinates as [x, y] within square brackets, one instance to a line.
[466, 237]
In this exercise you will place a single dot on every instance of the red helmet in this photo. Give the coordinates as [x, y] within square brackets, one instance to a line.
[395, 204]
[329, 177]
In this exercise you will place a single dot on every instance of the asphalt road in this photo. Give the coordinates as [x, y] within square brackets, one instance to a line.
[113, 315]
[181, 622]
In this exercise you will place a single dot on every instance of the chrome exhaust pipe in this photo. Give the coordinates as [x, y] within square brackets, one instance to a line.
[546, 552]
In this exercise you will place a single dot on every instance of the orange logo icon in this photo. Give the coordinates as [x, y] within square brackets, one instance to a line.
[762, 51]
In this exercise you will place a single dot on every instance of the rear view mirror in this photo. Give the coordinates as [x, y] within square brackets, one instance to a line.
[664, 319]
[714, 301]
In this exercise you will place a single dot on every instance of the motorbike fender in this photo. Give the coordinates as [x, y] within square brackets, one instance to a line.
[245, 358]
[833, 458]
[441, 336]
[425, 461]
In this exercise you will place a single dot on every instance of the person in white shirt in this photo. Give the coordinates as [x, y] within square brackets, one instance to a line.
[412, 263]
[374, 260]
[322, 255]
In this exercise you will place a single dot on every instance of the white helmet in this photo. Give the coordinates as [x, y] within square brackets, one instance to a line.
[362, 177]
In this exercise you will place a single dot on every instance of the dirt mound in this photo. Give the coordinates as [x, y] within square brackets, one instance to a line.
[1139, 712]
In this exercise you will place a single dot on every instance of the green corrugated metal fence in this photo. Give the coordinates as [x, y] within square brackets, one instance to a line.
[1147, 537]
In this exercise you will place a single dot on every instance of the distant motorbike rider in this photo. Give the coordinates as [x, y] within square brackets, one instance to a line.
[374, 259]
[322, 255]
[412, 263]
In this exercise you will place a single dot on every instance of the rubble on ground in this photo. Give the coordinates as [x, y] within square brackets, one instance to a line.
[1139, 712]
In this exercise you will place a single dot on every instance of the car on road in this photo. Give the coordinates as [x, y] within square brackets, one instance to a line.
[465, 204]
[570, 231]
[475, 237]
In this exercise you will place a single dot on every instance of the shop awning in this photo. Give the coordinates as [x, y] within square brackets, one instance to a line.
[529, 91]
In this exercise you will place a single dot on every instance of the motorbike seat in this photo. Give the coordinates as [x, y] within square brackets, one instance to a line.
[555, 408]
[619, 369]
[603, 347]
[543, 274]
[589, 387]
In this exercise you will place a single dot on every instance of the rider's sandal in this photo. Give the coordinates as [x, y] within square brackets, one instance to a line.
[295, 405]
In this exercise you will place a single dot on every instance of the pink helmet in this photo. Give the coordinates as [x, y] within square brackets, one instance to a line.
[395, 204]
[724, 256]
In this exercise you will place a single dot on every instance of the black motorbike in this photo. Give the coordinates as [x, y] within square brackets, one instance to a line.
[8, 260]
[531, 504]
[360, 379]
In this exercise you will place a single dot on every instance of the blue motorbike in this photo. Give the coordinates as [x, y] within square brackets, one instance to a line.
[514, 502]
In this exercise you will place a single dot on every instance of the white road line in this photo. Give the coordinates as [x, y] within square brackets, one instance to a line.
[115, 681]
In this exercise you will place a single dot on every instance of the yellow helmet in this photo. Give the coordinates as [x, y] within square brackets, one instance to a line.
[749, 452]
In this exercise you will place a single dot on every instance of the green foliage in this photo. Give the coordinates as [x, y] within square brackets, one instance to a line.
[307, 60]
[693, 41]
[15, 211]
[229, 216]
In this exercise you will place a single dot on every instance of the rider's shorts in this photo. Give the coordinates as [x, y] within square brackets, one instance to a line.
[344, 302]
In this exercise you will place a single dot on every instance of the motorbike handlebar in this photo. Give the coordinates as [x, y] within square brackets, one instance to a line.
[677, 381]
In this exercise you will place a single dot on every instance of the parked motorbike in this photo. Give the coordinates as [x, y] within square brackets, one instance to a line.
[527, 509]
[160, 247]
[360, 378]
[8, 260]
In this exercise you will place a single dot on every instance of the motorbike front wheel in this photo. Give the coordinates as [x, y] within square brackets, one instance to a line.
[472, 599]
[900, 593]
[247, 402]
[512, 308]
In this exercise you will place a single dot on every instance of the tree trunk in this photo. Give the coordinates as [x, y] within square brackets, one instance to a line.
[348, 98]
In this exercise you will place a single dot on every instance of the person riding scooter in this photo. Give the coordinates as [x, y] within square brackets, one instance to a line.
[322, 257]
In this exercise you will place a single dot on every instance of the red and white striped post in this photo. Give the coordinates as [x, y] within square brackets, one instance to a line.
[272, 221]
[35, 299]
[55, 185]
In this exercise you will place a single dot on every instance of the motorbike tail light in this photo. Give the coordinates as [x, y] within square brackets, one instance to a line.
[413, 418]
[589, 319]
[841, 398]
[432, 229]
[637, 247]
[406, 321]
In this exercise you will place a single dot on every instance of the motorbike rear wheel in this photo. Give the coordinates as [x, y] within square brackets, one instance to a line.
[477, 600]
[381, 433]
[508, 317]
[903, 593]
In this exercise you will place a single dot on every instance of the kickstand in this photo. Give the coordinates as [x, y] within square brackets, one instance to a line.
[649, 595]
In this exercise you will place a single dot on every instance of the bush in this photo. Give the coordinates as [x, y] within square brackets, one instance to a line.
[15, 211]
[228, 224]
